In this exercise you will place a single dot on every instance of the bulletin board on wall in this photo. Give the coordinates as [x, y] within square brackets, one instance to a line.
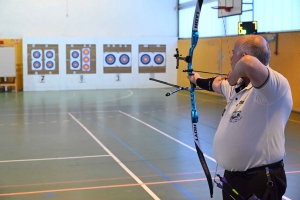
[7, 61]
[13, 75]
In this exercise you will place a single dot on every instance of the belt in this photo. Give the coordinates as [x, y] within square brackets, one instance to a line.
[260, 169]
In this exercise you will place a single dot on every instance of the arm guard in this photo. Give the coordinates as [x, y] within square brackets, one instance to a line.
[205, 83]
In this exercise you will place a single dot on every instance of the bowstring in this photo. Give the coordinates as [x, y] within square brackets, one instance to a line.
[222, 64]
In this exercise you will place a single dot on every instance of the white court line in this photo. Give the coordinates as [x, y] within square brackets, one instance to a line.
[178, 141]
[210, 158]
[284, 197]
[42, 159]
[118, 161]
[292, 172]
[57, 113]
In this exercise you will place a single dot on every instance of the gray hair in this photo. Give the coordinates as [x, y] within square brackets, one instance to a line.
[253, 47]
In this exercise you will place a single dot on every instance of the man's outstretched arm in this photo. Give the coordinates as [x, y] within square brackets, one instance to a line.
[210, 84]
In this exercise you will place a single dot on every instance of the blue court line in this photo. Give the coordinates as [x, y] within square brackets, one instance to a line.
[137, 154]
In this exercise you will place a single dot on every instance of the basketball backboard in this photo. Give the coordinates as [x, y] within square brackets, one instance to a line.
[228, 8]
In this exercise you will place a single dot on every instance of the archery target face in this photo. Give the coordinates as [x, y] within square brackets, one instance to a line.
[75, 54]
[50, 65]
[75, 65]
[124, 59]
[86, 67]
[75, 60]
[145, 59]
[110, 59]
[49, 56]
[86, 59]
[36, 54]
[159, 59]
[36, 65]
[36, 59]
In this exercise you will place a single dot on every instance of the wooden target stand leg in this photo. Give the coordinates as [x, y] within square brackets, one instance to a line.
[5, 83]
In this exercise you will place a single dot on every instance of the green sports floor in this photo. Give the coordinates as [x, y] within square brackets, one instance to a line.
[122, 144]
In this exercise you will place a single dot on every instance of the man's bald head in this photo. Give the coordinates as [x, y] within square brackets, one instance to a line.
[255, 45]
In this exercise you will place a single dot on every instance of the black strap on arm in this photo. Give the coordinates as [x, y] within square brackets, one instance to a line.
[205, 83]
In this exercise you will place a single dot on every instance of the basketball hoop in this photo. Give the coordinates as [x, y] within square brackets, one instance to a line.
[227, 9]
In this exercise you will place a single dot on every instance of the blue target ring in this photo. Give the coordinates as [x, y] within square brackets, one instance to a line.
[75, 54]
[124, 59]
[110, 59]
[145, 59]
[37, 64]
[49, 64]
[75, 64]
[159, 59]
[49, 54]
[36, 54]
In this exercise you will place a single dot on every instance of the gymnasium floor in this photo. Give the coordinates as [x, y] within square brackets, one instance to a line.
[114, 144]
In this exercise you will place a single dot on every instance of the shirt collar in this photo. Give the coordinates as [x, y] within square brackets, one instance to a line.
[241, 85]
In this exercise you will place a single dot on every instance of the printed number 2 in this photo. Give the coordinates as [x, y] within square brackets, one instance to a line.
[42, 80]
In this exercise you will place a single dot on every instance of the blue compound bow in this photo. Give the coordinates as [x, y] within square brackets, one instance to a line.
[194, 113]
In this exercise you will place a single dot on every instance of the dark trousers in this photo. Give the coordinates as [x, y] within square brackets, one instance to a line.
[255, 182]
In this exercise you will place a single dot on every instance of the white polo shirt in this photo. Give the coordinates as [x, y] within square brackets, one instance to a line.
[251, 131]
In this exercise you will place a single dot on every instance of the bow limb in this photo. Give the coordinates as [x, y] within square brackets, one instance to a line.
[194, 113]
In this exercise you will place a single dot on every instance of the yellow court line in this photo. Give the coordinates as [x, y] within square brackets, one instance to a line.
[292, 120]
[108, 186]
[100, 187]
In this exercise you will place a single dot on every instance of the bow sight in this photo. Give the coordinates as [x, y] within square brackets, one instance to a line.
[177, 56]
